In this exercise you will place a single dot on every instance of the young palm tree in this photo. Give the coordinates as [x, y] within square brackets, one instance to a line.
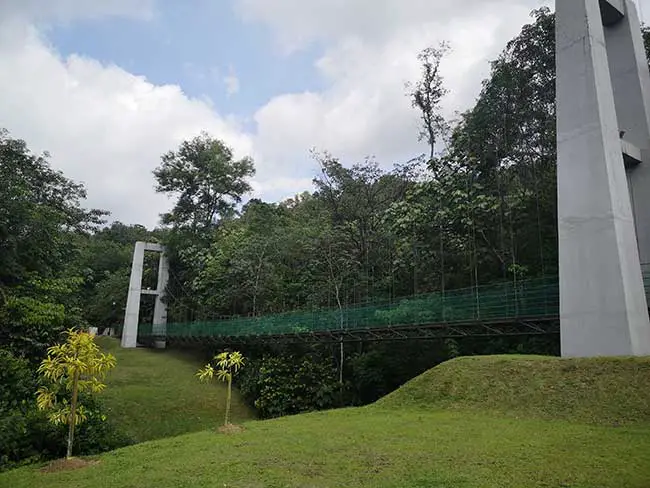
[228, 364]
[76, 366]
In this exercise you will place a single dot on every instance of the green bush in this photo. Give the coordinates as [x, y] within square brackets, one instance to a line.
[285, 385]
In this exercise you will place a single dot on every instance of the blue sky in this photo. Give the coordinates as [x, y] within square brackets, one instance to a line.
[195, 45]
[109, 86]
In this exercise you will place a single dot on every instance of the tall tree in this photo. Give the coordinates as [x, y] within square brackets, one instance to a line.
[41, 218]
[427, 94]
[40, 209]
[208, 181]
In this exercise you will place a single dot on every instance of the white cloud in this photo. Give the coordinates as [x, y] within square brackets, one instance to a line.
[297, 23]
[232, 82]
[102, 125]
[67, 10]
[108, 128]
[370, 52]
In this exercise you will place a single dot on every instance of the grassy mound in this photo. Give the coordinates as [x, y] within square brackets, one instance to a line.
[153, 394]
[611, 391]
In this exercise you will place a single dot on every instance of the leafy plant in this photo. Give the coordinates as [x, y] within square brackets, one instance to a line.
[288, 384]
[228, 364]
[74, 367]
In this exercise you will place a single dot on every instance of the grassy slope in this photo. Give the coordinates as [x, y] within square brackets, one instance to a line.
[153, 394]
[397, 443]
[611, 391]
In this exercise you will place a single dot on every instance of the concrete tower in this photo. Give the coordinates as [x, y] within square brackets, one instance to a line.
[132, 313]
[603, 138]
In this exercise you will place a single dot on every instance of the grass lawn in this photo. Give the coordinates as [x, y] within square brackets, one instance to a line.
[483, 422]
[374, 447]
[153, 394]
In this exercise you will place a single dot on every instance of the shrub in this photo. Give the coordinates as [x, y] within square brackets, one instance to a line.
[285, 385]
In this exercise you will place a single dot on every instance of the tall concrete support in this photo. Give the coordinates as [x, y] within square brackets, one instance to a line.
[132, 312]
[630, 77]
[603, 308]
[160, 307]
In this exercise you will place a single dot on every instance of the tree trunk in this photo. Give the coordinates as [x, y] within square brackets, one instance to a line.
[228, 398]
[258, 272]
[341, 350]
[73, 411]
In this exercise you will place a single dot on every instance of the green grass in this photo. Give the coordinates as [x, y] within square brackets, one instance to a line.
[153, 394]
[371, 447]
[613, 391]
[446, 428]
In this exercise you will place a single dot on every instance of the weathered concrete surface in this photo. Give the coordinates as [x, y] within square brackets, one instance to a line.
[132, 313]
[631, 84]
[603, 307]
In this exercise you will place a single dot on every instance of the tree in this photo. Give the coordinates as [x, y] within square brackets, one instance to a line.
[229, 364]
[74, 367]
[41, 225]
[426, 95]
[208, 180]
[39, 213]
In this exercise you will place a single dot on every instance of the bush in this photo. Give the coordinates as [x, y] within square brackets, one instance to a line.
[285, 385]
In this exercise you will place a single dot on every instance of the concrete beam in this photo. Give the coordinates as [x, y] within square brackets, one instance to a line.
[611, 11]
[152, 246]
[631, 154]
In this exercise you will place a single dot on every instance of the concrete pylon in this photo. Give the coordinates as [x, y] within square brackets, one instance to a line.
[628, 68]
[160, 307]
[132, 312]
[603, 309]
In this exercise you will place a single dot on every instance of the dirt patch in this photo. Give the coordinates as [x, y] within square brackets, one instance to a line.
[67, 464]
[230, 429]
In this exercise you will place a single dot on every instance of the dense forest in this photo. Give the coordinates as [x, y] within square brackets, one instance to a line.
[479, 207]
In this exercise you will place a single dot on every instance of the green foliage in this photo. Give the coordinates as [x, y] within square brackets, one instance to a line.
[41, 222]
[32, 325]
[207, 179]
[27, 436]
[39, 210]
[382, 367]
[427, 94]
[73, 368]
[287, 385]
[16, 381]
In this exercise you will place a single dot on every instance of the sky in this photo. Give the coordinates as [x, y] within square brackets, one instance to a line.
[107, 87]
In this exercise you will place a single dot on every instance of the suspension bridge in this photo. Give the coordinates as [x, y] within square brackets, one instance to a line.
[529, 307]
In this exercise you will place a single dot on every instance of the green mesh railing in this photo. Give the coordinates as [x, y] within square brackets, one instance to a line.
[501, 301]
[536, 298]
